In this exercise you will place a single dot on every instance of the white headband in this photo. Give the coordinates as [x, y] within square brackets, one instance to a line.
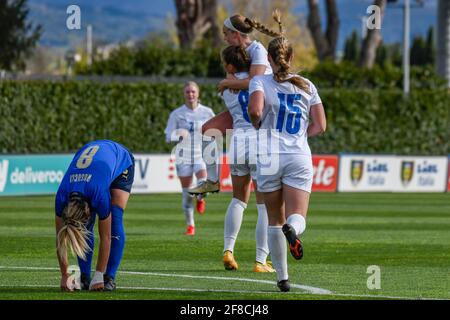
[227, 23]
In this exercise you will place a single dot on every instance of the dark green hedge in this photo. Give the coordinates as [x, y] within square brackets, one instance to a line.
[348, 75]
[157, 60]
[61, 116]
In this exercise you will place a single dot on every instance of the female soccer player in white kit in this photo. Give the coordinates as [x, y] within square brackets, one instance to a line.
[236, 32]
[242, 166]
[184, 127]
[282, 105]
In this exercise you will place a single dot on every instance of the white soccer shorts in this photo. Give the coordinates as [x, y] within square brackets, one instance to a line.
[290, 169]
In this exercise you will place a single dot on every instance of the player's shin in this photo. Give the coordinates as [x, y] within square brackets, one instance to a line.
[278, 248]
[262, 248]
[211, 157]
[233, 221]
[85, 265]
[117, 241]
[188, 207]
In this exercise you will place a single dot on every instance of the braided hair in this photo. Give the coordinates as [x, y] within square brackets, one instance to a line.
[279, 48]
[281, 52]
[246, 26]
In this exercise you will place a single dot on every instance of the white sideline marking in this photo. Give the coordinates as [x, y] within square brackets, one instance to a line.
[307, 289]
[230, 291]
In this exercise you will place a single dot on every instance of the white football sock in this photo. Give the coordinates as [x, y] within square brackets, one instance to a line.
[233, 221]
[262, 248]
[298, 222]
[188, 207]
[278, 248]
[210, 155]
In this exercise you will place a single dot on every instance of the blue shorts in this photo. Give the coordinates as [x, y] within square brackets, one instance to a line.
[125, 180]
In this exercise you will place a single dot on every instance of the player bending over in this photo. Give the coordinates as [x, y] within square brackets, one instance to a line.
[97, 182]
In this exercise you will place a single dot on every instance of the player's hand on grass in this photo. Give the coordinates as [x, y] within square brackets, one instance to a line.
[65, 285]
[97, 282]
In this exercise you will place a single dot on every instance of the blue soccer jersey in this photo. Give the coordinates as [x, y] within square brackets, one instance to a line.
[94, 167]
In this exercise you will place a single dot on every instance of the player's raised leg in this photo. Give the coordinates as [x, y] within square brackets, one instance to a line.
[213, 131]
[296, 210]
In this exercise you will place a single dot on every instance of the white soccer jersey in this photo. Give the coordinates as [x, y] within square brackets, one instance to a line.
[190, 120]
[286, 113]
[243, 144]
[258, 55]
[237, 104]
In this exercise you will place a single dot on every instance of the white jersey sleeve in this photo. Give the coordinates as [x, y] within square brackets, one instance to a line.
[211, 112]
[258, 55]
[256, 84]
[315, 98]
[171, 126]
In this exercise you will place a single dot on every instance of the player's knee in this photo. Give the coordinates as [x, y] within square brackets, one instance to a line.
[119, 198]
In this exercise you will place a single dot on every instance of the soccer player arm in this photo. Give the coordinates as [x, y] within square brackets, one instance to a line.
[104, 231]
[319, 122]
[174, 135]
[63, 263]
[255, 108]
[241, 84]
[221, 122]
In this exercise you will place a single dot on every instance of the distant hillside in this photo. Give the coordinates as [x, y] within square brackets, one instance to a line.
[112, 20]
[118, 20]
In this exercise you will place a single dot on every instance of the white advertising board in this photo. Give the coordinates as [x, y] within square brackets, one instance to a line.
[390, 173]
[367, 173]
[155, 174]
[422, 174]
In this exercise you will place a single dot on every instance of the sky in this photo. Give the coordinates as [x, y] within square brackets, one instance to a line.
[119, 20]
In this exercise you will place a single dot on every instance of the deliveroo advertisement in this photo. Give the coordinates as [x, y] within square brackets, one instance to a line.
[32, 174]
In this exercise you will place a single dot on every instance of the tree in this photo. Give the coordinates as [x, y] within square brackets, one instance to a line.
[196, 20]
[325, 43]
[443, 50]
[418, 52]
[422, 50]
[430, 46]
[351, 47]
[373, 39]
[17, 36]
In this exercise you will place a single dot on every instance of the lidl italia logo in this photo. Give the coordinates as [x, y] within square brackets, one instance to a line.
[356, 171]
[407, 171]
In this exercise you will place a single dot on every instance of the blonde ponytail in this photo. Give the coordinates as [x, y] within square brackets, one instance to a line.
[73, 234]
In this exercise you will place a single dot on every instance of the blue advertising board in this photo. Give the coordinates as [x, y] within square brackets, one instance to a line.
[32, 174]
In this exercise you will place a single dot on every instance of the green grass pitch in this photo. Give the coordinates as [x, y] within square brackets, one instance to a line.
[406, 235]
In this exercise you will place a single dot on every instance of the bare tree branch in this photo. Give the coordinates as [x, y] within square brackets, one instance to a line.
[332, 26]
[195, 20]
[325, 43]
